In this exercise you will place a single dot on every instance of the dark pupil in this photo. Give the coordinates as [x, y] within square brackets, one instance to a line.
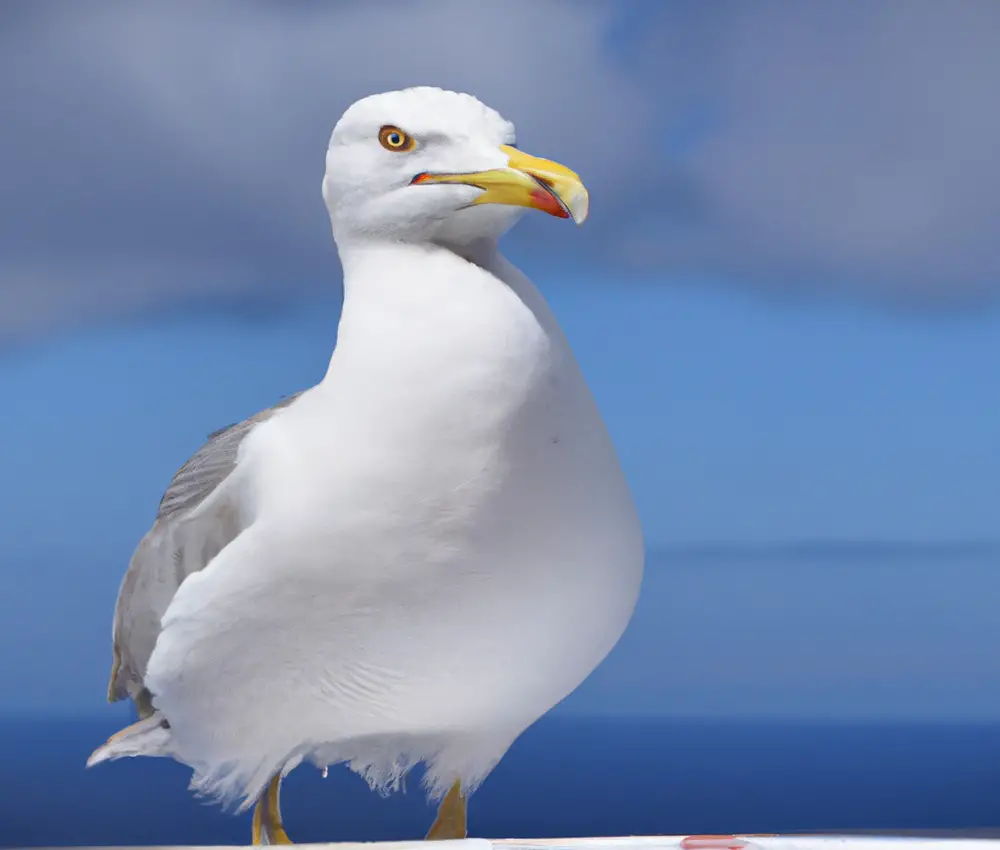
[394, 139]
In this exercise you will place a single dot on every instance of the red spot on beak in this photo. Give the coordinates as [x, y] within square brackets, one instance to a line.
[546, 202]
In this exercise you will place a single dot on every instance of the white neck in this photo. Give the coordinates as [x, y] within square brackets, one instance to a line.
[401, 300]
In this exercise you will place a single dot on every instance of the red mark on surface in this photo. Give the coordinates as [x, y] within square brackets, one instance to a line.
[715, 842]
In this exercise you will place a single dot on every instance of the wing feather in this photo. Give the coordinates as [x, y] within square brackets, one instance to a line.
[175, 547]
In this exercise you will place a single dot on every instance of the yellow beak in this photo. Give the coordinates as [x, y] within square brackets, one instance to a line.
[527, 181]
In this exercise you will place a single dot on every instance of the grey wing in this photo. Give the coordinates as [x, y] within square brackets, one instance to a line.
[171, 551]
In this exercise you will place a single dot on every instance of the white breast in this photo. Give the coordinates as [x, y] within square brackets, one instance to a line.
[444, 545]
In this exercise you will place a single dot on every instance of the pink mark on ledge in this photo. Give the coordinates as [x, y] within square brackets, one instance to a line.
[714, 842]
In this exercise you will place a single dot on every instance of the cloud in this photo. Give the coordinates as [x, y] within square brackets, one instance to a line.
[158, 150]
[161, 152]
[846, 144]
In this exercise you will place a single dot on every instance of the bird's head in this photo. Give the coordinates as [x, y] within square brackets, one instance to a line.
[425, 164]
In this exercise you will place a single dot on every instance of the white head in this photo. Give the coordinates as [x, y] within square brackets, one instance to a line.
[423, 164]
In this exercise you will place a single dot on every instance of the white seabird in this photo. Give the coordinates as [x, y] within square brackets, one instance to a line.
[417, 558]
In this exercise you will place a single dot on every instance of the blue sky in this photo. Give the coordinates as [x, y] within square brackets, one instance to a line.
[783, 302]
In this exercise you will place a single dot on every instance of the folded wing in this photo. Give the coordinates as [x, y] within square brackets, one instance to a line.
[195, 520]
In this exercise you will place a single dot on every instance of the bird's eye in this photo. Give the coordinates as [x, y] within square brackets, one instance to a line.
[395, 140]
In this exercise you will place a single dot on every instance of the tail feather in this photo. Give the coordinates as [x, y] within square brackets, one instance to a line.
[149, 737]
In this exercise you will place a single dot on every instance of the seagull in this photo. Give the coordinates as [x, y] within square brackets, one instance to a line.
[415, 559]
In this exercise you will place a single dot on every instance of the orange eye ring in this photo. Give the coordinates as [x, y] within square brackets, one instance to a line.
[395, 140]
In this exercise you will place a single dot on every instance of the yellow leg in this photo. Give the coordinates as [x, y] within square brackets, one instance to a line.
[267, 826]
[451, 816]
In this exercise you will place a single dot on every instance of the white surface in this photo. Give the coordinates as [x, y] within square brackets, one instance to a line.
[664, 842]
[775, 842]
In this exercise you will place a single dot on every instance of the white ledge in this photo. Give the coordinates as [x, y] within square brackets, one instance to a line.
[656, 842]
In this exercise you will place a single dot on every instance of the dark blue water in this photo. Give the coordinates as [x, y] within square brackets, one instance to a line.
[562, 778]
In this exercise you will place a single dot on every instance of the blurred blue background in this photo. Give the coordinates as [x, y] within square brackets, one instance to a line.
[784, 302]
